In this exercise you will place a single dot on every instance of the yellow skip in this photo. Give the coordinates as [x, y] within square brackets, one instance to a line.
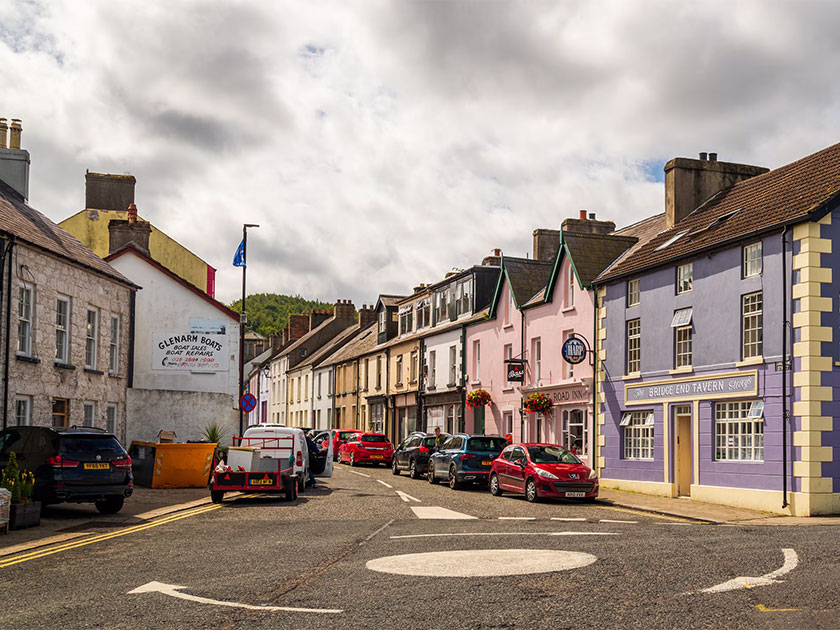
[764, 608]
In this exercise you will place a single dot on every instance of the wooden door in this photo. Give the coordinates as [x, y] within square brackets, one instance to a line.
[683, 453]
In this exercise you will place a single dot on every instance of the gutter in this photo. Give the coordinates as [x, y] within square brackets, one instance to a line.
[421, 384]
[462, 420]
[522, 400]
[7, 252]
[132, 311]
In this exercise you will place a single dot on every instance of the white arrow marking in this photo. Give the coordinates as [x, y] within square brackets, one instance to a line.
[174, 591]
[791, 561]
[387, 485]
[358, 473]
[440, 513]
[406, 497]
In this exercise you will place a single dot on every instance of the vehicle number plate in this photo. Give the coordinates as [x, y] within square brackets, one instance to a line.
[261, 482]
[376, 456]
[486, 462]
[103, 466]
[576, 495]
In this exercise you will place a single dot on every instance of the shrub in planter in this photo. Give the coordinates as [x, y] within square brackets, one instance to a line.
[538, 403]
[478, 398]
[23, 511]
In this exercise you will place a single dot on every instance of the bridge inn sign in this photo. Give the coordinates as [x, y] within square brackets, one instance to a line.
[736, 385]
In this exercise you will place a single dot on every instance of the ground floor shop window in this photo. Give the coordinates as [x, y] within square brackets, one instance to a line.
[377, 418]
[739, 431]
[575, 432]
[638, 434]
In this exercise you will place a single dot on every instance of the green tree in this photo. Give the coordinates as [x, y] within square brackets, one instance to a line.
[268, 313]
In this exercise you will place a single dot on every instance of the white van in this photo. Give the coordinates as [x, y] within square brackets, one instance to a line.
[267, 443]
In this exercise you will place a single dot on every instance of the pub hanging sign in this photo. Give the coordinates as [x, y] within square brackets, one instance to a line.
[515, 370]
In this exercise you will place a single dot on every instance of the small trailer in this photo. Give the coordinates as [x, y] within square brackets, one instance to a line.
[258, 464]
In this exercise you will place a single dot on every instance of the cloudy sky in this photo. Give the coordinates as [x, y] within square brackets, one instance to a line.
[382, 144]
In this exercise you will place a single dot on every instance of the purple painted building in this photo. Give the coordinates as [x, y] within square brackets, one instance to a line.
[698, 395]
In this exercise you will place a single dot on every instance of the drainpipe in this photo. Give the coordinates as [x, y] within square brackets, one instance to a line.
[358, 397]
[7, 253]
[591, 446]
[421, 384]
[462, 414]
[132, 310]
[521, 400]
[389, 410]
[784, 368]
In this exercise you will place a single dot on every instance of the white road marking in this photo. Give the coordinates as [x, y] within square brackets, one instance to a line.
[517, 518]
[791, 562]
[174, 591]
[387, 485]
[507, 534]
[608, 520]
[358, 473]
[440, 513]
[481, 562]
[558, 518]
[406, 497]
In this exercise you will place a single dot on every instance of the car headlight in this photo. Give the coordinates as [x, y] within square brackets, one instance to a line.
[593, 476]
[545, 473]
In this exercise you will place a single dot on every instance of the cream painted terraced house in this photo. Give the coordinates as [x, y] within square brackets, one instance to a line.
[718, 353]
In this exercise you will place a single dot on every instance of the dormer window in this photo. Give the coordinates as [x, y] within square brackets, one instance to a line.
[441, 305]
[406, 319]
[463, 297]
[382, 321]
[423, 310]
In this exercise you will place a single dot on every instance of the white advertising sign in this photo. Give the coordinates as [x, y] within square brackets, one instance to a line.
[190, 352]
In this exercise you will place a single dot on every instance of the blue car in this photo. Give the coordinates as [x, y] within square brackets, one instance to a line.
[465, 459]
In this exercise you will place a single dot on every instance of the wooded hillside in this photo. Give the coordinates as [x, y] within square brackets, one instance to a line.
[268, 313]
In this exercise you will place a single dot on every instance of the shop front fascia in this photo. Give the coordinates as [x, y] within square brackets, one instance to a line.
[569, 421]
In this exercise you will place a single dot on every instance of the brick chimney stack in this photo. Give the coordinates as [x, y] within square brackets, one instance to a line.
[367, 314]
[546, 244]
[318, 317]
[344, 310]
[4, 128]
[584, 225]
[129, 232]
[15, 129]
[104, 191]
[298, 326]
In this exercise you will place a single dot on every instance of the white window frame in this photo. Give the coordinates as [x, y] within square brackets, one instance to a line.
[111, 422]
[424, 312]
[463, 299]
[453, 366]
[536, 350]
[685, 278]
[62, 330]
[507, 421]
[567, 434]
[89, 419]
[753, 263]
[568, 368]
[412, 370]
[91, 338]
[638, 435]
[570, 287]
[26, 319]
[23, 410]
[114, 346]
[739, 436]
[398, 369]
[432, 368]
[683, 335]
[406, 319]
[752, 325]
[633, 334]
[476, 360]
[382, 321]
[634, 295]
[508, 354]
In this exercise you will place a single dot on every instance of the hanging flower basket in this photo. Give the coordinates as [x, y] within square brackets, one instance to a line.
[538, 403]
[478, 398]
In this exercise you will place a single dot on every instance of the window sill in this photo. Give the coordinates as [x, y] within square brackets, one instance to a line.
[507, 326]
[507, 389]
[451, 384]
[638, 459]
[431, 388]
[750, 361]
[632, 376]
[64, 366]
[682, 370]
[475, 383]
[567, 309]
[93, 371]
[26, 359]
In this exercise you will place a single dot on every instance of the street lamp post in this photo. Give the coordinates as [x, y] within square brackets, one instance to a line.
[243, 320]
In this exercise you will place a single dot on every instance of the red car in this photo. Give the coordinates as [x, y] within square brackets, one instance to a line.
[340, 436]
[542, 471]
[366, 447]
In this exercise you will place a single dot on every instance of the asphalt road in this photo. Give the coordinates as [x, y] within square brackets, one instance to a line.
[601, 566]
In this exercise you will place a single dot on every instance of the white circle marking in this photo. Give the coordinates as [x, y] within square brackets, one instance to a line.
[481, 562]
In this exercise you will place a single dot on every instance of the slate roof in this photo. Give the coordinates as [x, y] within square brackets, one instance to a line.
[332, 346]
[364, 344]
[786, 195]
[592, 253]
[527, 277]
[32, 227]
[391, 300]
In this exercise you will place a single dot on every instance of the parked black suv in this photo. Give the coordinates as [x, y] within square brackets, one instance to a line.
[77, 465]
[413, 454]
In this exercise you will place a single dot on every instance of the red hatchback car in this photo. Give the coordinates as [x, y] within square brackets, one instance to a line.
[374, 448]
[542, 471]
[340, 436]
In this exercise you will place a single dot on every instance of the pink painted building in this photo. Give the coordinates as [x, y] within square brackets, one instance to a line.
[539, 303]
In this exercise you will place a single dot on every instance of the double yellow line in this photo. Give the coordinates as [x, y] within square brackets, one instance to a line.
[40, 553]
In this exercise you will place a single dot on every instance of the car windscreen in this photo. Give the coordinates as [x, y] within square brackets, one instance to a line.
[429, 442]
[551, 455]
[486, 444]
[373, 438]
[89, 445]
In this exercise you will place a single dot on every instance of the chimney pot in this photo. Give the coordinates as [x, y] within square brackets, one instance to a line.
[712, 157]
[14, 134]
[582, 214]
[132, 213]
[704, 156]
[3, 128]
[497, 252]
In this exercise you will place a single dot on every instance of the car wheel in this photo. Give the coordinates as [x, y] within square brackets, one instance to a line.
[217, 496]
[110, 505]
[412, 469]
[453, 480]
[495, 489]
[431, 473]
[531, 491]
[352, 459]
[394, 468]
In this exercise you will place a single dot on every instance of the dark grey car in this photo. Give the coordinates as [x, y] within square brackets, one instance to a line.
[413, 454]
[465, 459]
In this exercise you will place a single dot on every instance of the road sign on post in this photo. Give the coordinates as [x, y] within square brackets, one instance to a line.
[248, 402]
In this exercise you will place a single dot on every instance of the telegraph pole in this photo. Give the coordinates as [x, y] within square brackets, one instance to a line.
[243, 320]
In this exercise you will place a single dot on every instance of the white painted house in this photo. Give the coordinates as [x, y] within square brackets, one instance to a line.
[184, 369]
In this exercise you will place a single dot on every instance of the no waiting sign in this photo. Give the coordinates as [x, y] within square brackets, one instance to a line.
[248, 402]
